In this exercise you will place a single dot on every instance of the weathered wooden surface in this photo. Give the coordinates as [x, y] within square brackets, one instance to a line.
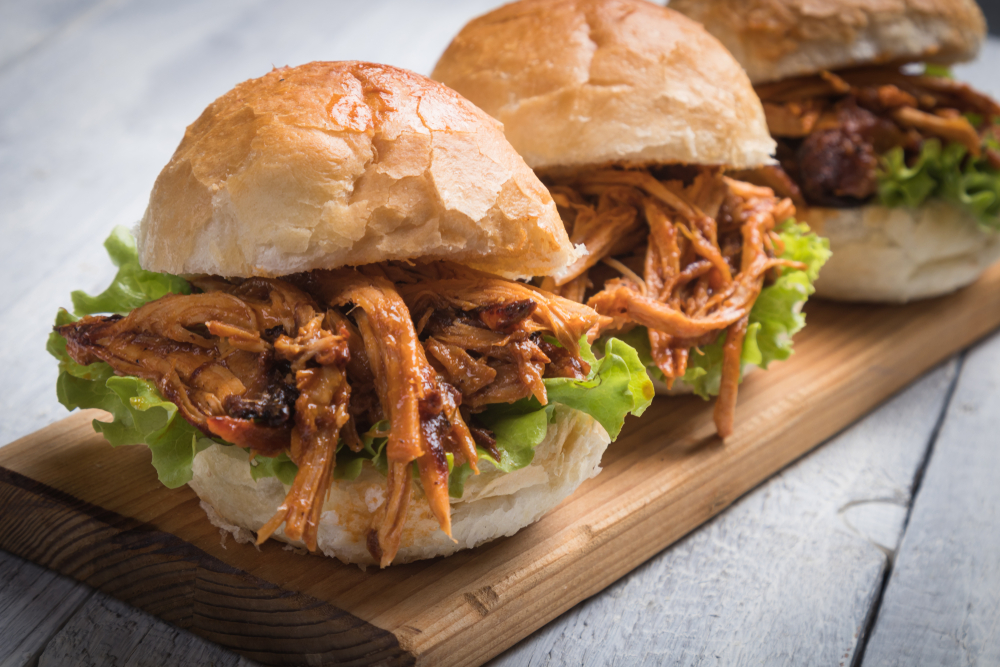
[786, 576]
[93, 97]
[942, 604]
[109, 632]
[34, 604]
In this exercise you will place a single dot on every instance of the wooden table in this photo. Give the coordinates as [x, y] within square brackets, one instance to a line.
[878, 548]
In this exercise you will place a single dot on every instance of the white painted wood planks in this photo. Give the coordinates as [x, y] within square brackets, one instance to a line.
[942, 604]
[34, 604]
[109, 632]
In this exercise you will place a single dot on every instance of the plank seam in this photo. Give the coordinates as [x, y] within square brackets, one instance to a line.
[918, 478]
[36, 656]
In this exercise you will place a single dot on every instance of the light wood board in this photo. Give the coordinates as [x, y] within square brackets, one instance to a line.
[70, 502]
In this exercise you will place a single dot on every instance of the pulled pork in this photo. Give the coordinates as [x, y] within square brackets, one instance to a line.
[832, 127]
[304, 364]
[692, 250]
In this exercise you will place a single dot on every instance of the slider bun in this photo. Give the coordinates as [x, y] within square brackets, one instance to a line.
[347, 163]
[581, 82]
[494, 504]
[900, 254]
[778, 39]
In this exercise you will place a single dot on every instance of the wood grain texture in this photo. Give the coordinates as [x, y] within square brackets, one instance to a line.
[34, 604]
[666, 475]
[180, 583]
[786, 576]
[109, 632]
[942, 603]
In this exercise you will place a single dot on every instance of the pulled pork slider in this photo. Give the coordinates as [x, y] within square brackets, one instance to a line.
[630, 113]
[348, 363]
[899, 165]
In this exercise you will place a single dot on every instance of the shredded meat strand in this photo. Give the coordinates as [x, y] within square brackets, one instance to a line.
[169, 342]
[725, 406]
[321, 410]
[409, 393]
[708, 250]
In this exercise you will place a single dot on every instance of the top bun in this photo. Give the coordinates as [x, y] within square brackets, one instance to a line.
[778, 39]
[579, 82]
[347, 163]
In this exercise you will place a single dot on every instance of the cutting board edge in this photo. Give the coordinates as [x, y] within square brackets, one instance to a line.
[160, 555]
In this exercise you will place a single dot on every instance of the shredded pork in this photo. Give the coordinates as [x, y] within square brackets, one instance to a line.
[832, 127]
[691, 250]
[304, 364]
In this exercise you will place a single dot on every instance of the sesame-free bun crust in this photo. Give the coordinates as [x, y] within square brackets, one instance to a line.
[580, 82]
[347, 163]
[900, 254]
[778, 39]
[494, 504]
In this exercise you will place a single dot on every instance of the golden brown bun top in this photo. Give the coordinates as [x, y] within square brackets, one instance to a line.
[580, 82]
[778, 39]
[347, 163]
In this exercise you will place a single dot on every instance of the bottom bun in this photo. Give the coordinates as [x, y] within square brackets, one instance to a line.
[494, 504]
[900, 254]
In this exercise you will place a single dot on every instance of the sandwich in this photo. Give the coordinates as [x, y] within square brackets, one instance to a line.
[321, 325]
[631, 114]
[889, 157]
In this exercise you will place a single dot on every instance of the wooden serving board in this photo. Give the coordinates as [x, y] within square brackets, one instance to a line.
[70, 502]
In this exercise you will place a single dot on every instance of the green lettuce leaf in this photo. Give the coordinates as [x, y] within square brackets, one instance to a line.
[518, 429]
[457, 477]
[141, 415]
[939, 71]
[348, 464]
[775, 318]
[279, 466]
[132, 286]
[776, 315]
[616, 386]
[944, 172]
